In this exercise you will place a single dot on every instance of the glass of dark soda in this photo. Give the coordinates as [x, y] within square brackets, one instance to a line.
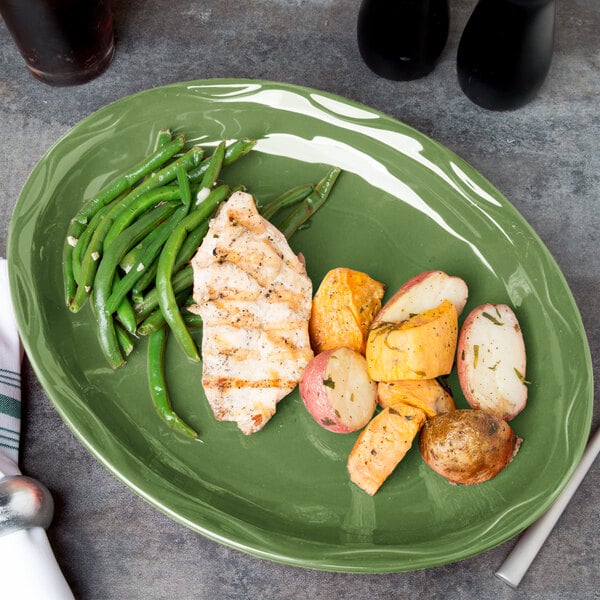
[63, 42]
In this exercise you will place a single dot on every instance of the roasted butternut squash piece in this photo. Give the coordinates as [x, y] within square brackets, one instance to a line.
[422, 347]
[426, 394]
[382, 444]
[343, 309]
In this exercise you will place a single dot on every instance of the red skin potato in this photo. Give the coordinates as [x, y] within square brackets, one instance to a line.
[319, 397]
[428, 283]
[492, 378]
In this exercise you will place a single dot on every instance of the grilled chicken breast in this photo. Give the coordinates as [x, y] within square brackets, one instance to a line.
[254, 297]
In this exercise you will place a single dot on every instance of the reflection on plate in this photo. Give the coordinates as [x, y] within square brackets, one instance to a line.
[404, 204]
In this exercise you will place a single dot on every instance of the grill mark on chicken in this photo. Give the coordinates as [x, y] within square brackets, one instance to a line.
[224, 383]
[254, 298]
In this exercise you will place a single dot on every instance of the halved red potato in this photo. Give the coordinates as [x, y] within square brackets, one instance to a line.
[382, 444]
[420, 347]
[423, 292]
[468, 446]
[342, 310]
[491, 361]
[337, 391]
[426, 394]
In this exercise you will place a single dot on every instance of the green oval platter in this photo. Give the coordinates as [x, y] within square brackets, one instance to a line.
[403, 204]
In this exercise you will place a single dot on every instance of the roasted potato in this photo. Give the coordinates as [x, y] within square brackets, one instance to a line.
[468, 446]
[423, 292]
[382, 444]
[342, 310]
[337, 391]
[426, 394]
[491, 361]
[421, 347]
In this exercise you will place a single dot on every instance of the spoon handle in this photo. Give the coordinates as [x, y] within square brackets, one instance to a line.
[522, 555]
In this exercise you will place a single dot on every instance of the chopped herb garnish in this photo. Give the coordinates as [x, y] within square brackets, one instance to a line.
[521, 377]
[491, 318]
[329, 383]
[475, 355]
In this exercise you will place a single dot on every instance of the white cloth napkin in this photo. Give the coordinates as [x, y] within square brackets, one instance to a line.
[28, 568]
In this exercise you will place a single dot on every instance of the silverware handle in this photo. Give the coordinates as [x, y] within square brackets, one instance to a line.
[24, 503]
[522, 555]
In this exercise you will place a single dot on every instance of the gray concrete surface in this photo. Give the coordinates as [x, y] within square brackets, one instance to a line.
[543, 157]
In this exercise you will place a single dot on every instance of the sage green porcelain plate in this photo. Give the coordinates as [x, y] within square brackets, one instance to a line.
[404, 204]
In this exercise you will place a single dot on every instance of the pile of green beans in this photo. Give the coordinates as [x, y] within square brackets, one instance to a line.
[127, 250]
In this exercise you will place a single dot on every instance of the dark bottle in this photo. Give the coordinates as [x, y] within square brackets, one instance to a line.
[402, 39]
[505, 52]
[63, 42]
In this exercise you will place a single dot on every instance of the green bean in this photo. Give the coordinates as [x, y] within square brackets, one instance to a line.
[190, 246]
[84, 241]
[159, 179]
[127, 216]
[239, 187]
[106, 195]
[107, 336]
[125, 342]
[185, 193]
[192, 321]
[148, 277]
[184, 187]
[211, 175]
[233, 152]
[126, 316]
[310, 205]
[287, 199]
[106, 272]
[131, 259]
[183, 280]
[164, 286]
[127, 180]
[134, 254]
[133, 204]
[151, 251]
[163, 137]
[156, 319]
[195, 237]
[148, 165]
[125, 313]
[158, 384]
